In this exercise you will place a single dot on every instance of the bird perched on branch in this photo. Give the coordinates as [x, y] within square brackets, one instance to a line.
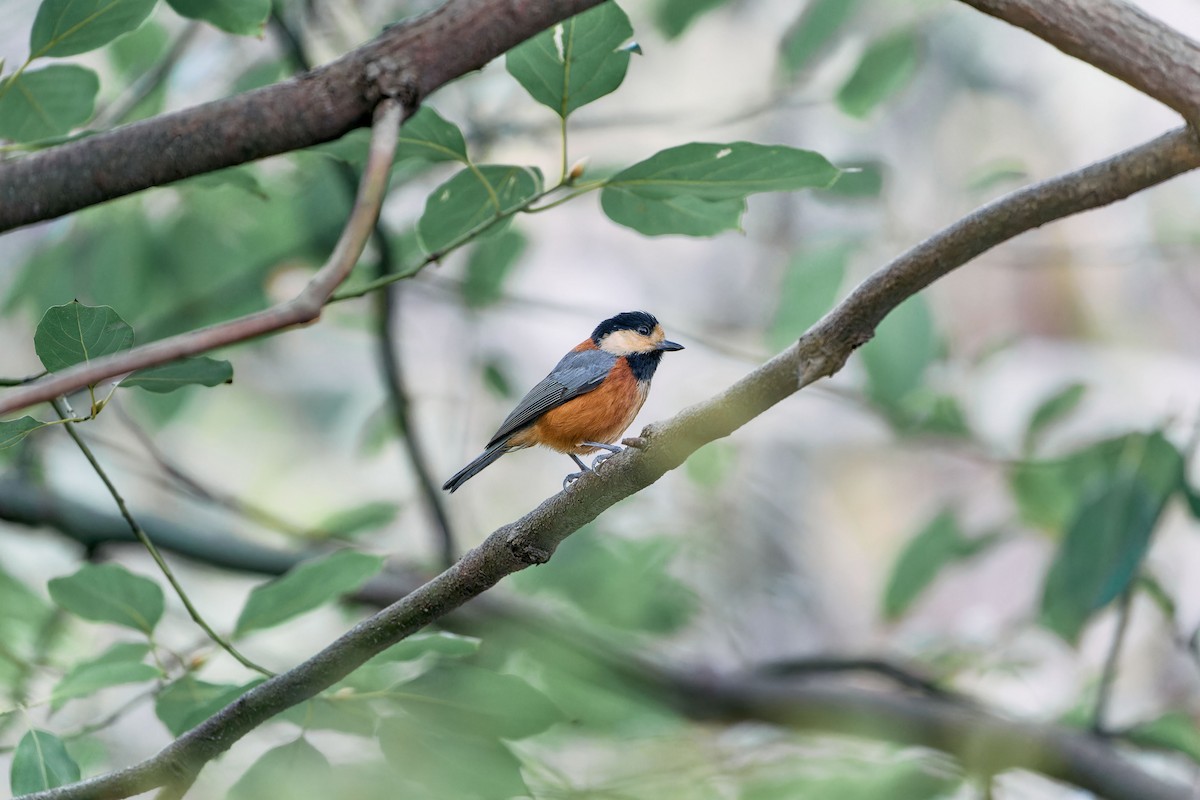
[588, 400]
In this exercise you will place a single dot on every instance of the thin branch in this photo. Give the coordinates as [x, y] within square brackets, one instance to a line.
[390, 364]
[827, 665]
[179, 479]
[150, 80]
[303, 308]
[820, 352]
[393, 372]
[689, 693]
[1109, 676]
[1116, 37]
[984, 743]
[141, 536]
[408, 60]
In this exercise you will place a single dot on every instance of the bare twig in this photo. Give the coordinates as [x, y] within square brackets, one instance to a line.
[389, 353]
[1109, 676]
[150, 80]
[393, 371]
[141, 536]
[408, 60]
[832, 665]
[820, 352]
[303, 308]
[191, 487]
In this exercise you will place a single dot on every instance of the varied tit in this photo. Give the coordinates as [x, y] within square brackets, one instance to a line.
[588, 400]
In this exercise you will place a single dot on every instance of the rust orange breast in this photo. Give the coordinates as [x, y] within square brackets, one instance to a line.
[601, 415]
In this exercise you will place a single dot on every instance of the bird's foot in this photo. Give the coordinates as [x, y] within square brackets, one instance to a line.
[574, 476]
[600, 459]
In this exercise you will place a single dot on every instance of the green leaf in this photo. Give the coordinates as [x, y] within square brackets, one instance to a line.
[684, 215]
[811, 33]
[427, 136]
[884, 69]
[242, 17]
[576, 61]
[69, 27]
[466, 699]
[120, 664]
[1050, 411]
[41, 762]
[1049, 493]
[14, 430]
[75, 334]
[430, 762]
[1100, 554]
[1193, 499]
[135, 54]
[699, 189]
[939, 543]
[293, 770]
[202, 371]
[365, 517]
[1173, 731]
[442, 643]
[305, 587]
[46, 102]
[489, 264]
[858, 179]
[1158, 595]
[810, 285]
[187, 702]
[673, 17]
[471, 201]
[905, 344]
[20, 608]
[110, 593]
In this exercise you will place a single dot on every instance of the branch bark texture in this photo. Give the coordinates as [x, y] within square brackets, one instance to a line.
[407, 61]
[533, 538]
[424, 54]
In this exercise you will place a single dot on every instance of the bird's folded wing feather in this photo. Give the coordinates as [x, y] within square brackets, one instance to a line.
[578, 372]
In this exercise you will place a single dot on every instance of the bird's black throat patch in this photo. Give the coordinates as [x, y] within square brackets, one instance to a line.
[643, 364]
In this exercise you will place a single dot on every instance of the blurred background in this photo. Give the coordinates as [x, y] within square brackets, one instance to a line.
[785, 541]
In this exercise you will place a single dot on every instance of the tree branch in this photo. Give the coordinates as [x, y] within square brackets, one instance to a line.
[1118, 38]
[386, 302]
[303, 308]
[983, 742]
[533, 538]
[407, 61]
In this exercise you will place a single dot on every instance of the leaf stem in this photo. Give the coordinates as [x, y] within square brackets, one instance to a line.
[468, 236]
[1109, 676]
[149, 545]
[562, 128]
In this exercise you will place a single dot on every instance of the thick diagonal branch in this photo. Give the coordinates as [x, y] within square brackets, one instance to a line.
[408, 60]
[533, 538]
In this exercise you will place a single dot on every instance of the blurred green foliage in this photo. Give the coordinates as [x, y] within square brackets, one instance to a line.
[510, 704]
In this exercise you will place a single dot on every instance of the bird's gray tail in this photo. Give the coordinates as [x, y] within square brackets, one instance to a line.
[471, 470]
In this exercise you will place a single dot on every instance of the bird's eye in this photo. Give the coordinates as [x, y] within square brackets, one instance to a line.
[644, 330]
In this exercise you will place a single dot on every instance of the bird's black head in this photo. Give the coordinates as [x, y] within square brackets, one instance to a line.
[637, 336]
[640, 322]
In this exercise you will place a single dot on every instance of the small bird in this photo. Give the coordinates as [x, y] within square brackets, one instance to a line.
[588, 400]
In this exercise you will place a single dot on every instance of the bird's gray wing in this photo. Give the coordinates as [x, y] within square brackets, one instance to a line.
[578, 372]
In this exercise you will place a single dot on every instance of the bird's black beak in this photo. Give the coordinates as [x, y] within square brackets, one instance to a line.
[669, 345]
